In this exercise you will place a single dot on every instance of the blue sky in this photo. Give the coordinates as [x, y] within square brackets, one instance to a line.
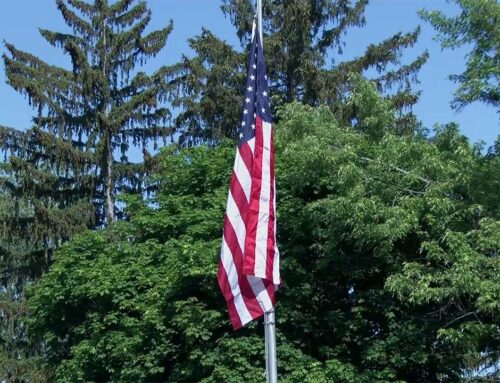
[20, 20]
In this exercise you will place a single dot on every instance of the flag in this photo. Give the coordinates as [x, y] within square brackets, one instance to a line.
[249, 262]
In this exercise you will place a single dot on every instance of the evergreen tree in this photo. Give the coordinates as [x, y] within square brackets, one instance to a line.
[60, 177]
[300, 38]
[209, 89]
[103, 104]
[46, 198]
[48, 186]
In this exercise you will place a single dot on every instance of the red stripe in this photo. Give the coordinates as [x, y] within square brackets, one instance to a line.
[247, 156]
[238, 195]
[228, 296]
[246, 291]
[270, 224]
[252, 217]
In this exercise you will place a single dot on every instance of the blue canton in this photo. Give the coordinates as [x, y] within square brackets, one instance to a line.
[256, 102]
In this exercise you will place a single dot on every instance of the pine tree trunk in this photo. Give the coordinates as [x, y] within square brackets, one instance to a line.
[108, 180]
[108, 149]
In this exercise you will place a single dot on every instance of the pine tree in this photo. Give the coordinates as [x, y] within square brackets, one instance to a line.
[45, 195]
[209, 90]
[61, 176]
[300, 37]
[103, 104]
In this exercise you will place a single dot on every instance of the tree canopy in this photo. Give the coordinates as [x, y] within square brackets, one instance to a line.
[389, 263]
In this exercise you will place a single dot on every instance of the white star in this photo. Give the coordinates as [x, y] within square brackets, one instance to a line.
[264, 94]
[263, 110]
[253, 126]
[255, 115]
[245, 111]
[247, 100]
[254, 66]
[265, 77]
[241, 135]
[249, 88]
[252, 77]
[243, 123]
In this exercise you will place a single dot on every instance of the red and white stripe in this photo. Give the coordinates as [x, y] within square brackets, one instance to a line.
[249, 261]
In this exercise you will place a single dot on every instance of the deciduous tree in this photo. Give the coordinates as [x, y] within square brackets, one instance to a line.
[476, 25]
[389, 264]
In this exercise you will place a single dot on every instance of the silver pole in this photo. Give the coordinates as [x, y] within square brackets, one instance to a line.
[271, 361]
[259, 19]
[266, 332]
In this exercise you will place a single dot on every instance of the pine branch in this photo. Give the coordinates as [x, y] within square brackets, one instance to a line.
[152, 43]
[351, 17]
[84, 7]
[43, 84]
[57, 39]
[127, 41]
[124, 18]
[403, 75]
[121, 6]
[78, 24]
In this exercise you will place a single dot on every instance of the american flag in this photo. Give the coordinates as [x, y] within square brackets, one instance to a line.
[249, 262]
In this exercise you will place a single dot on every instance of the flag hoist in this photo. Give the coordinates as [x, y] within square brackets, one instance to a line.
[249, 263]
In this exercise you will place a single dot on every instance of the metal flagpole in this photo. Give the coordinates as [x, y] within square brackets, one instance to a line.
[269, 317]
[259, 19]
[270, 333]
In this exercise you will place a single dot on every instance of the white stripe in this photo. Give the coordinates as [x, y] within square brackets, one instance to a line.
[236, 221]
[260, 293]
[276, 267]
[243, 175]
[265, 195]
[251, 143]
[232, 277]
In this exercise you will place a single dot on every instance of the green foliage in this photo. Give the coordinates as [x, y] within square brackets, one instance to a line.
[477, 25]
[389, 264]
[39, 208]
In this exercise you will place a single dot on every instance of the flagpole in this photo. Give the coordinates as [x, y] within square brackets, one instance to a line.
[259, 19]
[269, 316]
[270, 333]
